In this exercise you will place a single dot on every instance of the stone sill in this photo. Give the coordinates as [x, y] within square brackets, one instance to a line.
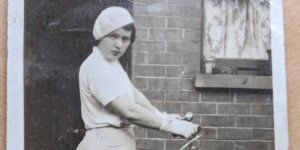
[233, 81]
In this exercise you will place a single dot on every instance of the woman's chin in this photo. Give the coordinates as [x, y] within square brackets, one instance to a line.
[110, 59]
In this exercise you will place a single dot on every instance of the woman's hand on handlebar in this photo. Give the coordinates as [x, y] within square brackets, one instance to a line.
[173, 123]
[175, 116]
[183, 128]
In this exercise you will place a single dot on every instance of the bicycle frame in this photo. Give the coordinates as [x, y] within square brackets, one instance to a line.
[190, 142]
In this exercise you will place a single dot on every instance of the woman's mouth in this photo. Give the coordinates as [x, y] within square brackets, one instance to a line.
[115, 53]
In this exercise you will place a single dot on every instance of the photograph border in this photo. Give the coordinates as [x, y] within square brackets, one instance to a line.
[15, 76]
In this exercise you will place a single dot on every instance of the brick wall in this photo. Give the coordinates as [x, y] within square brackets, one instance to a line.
[166, 56]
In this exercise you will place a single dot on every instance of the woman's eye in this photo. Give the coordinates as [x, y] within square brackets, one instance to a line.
[125, 39]
[113, 36]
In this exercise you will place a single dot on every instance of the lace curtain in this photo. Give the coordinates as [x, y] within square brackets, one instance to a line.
[237, 29]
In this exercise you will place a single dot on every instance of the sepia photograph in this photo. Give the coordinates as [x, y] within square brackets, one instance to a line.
[148, 75]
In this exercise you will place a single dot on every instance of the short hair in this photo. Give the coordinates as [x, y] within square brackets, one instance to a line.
[130, 27]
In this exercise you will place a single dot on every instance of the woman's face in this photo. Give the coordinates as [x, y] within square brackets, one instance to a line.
[114, 45]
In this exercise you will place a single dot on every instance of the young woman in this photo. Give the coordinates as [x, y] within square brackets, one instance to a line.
[110, 103]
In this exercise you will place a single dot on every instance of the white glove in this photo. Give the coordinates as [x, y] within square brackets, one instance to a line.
[170, 123]
[164, 115]
[183, 128]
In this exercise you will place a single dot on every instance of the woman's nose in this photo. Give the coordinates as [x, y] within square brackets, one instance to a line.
[118, 43]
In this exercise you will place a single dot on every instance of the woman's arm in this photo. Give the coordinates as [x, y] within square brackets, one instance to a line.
[141, 116]
[142, 100]
[135, 113]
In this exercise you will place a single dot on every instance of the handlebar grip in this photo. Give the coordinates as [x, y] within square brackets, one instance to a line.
[176, 135]
[198, 130]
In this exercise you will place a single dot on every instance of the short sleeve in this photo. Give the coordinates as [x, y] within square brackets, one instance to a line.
[106, 86]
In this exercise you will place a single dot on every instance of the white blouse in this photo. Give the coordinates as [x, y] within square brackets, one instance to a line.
[100, 82]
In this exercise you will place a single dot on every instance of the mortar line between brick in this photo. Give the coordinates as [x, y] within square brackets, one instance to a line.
[210, 140]
[196, 102]
[251, 134]
[270, 121]
[147, 87]
[166, 22]
[172, 53]
[165, 95]
[200, 120]
[175, 91]
[182, 59]
[166, 46]
[152, 139]
[255, 104]
[225, 115]
[163, 4]
[134, 52]
[167, 29]
[235, 120]
[261, 104]
[148, 16]
[234, 97]
[169, 65]
[230, 104]
[165, 71]
[217, 131]
[168, 40]
[147, 58]
[200, 96]
[167, 78]
[162, 28]
[235, 128]
[170, 28]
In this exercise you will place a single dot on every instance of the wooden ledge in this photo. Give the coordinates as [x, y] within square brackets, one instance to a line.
[233, 81]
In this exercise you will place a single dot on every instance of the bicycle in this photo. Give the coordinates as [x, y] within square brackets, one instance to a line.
[189, 117]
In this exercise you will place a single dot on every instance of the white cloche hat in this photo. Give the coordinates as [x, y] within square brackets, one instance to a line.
[109, 20]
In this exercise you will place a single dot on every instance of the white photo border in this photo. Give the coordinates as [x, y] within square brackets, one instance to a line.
[15, 74]
[279, 76]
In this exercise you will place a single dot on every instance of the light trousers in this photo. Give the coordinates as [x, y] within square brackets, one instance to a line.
[108, 138]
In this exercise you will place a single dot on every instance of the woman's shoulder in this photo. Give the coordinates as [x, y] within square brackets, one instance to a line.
[96, 67]
[87, 63]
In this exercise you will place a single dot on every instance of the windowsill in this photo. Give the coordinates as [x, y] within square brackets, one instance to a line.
[233, 81]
